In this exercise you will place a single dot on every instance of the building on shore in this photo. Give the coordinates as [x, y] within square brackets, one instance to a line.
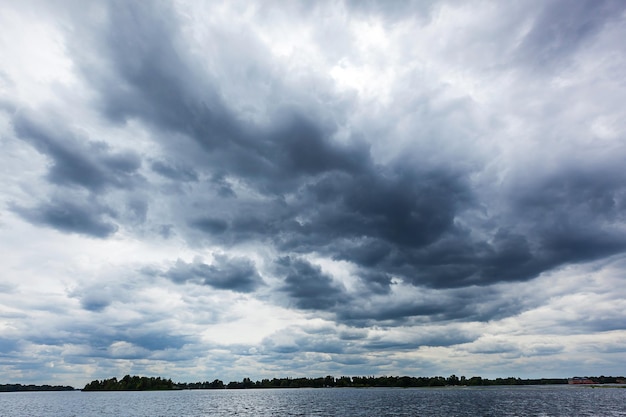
[580, 380]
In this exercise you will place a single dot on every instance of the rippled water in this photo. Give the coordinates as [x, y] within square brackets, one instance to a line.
[487, 401]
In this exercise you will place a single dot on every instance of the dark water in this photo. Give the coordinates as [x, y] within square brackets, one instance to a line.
[488, 401]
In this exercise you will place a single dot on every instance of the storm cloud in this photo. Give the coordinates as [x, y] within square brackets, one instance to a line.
[89, 218]
[237, 274]
[340, 187]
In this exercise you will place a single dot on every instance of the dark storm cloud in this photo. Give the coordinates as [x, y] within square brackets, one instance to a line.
[236, 273]
[148, 78]
[210, 225]
[151, 79]
[308, 286]
[377, 282]
[402, 208]
[76, 160]
[566, 217]
[563, 26]
[432, 306]
[572, 213]
[406, 219]
[71, 216]
[299, 146]
[174, 172]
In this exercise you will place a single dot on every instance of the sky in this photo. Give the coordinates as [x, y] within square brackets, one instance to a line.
[201, 190]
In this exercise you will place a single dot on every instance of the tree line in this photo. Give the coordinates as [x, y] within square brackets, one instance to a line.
[130, 383]
[20, 387]
[387, 381]
[137, 383]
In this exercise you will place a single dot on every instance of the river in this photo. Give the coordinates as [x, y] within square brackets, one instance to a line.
[458, 401]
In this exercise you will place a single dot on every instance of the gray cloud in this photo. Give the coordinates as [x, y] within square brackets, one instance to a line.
[174, 172]
[95, 302]
[149, 78]
[432, 338]
[308, 286]
[76, 160]
[562, 27]
[156, 340]
[386, 170]
[236, 273]
[210, 225]
[427, 306]
[8, 345]
[395, 11]
[118, 342]
[396, 219]
[83, 217]
[97, 297]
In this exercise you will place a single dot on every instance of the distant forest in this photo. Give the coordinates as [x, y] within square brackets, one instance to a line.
[131, 383]
[137, 383]
[20, 387]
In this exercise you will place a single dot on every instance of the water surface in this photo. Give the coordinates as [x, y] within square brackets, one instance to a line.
[474, 401]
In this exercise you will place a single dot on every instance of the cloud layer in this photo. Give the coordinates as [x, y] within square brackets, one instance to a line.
[344, 188]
